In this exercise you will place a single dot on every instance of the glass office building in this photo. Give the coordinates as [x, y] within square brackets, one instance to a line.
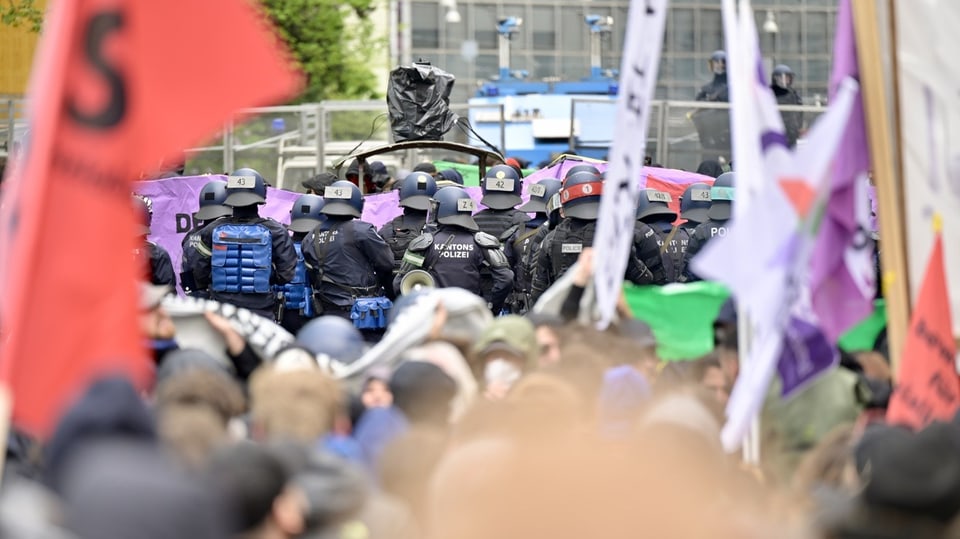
[554, 41]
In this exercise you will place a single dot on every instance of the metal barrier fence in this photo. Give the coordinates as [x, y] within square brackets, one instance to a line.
[297, 141]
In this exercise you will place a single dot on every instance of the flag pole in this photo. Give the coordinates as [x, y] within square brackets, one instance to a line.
[886, 164]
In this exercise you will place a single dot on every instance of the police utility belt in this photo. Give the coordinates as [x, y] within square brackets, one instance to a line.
[368, 311]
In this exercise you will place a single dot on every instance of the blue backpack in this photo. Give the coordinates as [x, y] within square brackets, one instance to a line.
[242, 259]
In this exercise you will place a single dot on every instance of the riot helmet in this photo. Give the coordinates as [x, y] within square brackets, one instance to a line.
[416, 190]
[654, 205]
[553, 211]
[695, 202]
[245, 187]
[342, 198]
[306, 213]
[212, 198]
[540, 194]
[782, 77]
[455, 207]
[333, 337]
[501, 187]
[721, 197]
[718, 62]
[580, 195]
[582, 168]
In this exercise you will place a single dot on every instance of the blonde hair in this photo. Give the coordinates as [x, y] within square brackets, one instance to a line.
[299, 405]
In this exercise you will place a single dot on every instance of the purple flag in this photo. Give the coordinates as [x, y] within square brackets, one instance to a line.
[842, 280]
[806, 355]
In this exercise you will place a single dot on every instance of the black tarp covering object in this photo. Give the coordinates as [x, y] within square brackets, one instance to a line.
[418, 99]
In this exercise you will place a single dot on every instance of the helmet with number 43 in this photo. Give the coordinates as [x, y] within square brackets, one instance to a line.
[342, 198]
[245, 187]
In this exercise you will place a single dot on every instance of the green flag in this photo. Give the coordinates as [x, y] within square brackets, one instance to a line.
[681, 315]
[863, 335]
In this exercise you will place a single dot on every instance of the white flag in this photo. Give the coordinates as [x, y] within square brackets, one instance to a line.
[766, 252]
[618, 204]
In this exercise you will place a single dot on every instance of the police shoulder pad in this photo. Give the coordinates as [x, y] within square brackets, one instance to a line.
[487, 241]
[508, 233]
[421, 242]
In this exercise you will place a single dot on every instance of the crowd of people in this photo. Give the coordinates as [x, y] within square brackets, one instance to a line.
[442, 384]
[490, 418]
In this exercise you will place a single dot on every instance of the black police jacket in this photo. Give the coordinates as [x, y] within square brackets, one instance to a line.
[562, 247]
[161, 267]
[701, 235]
[347, 259]
[672, 254]
[454, 257]
[399, 232]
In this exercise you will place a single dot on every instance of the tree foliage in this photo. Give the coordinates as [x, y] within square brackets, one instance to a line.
[21, 14]
[332, 41]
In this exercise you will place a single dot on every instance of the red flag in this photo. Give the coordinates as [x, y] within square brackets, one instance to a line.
[118, 87]
[928, 387]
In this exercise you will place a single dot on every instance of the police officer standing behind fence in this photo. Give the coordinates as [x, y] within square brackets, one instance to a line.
[244, 255]
[415, 192]
[781, 82]
[721, 207]
[456, 252]
[346, 258]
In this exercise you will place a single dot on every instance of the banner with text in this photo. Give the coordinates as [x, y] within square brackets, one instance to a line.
[929, 82]
[618, 204]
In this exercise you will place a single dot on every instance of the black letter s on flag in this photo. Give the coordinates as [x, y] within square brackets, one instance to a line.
[98, 29]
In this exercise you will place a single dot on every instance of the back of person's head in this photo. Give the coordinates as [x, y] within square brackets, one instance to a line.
[408, 462]
[423, 392]
[194, 409]
[202, 388]
[452, 361]
[545, 406]
[297, 404]
[110, 409]
[122, 489]
[248, 478]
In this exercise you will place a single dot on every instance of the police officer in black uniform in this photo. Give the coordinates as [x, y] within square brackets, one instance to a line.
[695, 205]
[528, 241]
[501, 187]
[346, 259]
[211, 208]
[653, 209]
[416, 191]
[781, 82]
[553, 219]
[160, 265]
[305, 214]
[242, 256]
[721, 208]
[713, 125]
[456, 252]
[580, 199]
